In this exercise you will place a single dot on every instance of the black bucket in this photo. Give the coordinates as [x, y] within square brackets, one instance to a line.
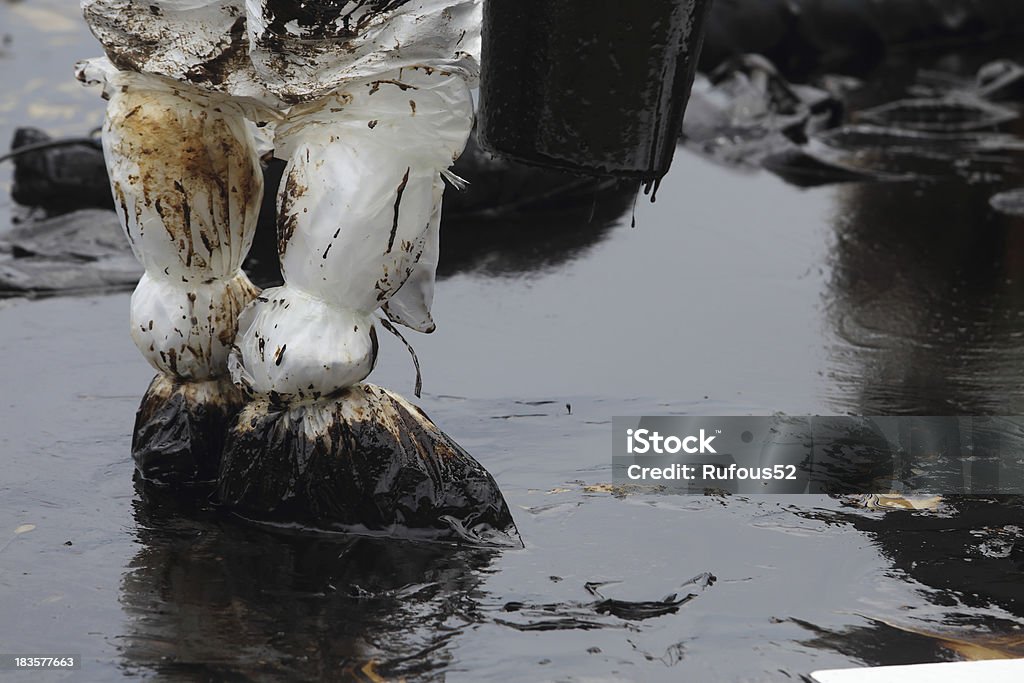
[593, 86]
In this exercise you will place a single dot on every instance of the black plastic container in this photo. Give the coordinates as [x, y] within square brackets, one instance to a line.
[593, 86]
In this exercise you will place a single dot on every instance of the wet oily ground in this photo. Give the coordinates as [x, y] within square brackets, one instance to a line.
[735, 293]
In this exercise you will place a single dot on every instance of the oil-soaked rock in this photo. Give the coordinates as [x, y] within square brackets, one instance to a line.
[37, 276]
[747, 97]
[59, 174]
[74, 252]
[747, 114]
[802, 36]
[87, 235]
[900, 154]
[814, 165]
[180, 429]
[949, 114]
[366, 460]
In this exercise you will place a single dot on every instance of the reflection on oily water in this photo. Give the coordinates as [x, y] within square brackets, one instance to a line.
[214, 601]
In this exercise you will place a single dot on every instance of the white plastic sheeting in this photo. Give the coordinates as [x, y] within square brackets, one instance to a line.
[285, 50]
[303, 50]
[358, 218]
[187, 184]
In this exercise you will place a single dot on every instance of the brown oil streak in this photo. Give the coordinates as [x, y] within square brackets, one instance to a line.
[287, 220]
[398, 201]
[123, 203]
[375, 85]
[232, 58]
[206, 242]
[175, 164]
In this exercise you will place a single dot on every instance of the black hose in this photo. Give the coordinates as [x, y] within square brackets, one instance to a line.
[49, 144]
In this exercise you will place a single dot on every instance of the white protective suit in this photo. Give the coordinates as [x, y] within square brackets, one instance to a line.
[368, 101]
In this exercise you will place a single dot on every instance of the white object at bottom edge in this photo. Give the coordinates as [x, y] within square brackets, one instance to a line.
[988, 671]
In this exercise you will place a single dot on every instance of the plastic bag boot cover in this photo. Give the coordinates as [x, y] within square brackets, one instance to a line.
[369, 461]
